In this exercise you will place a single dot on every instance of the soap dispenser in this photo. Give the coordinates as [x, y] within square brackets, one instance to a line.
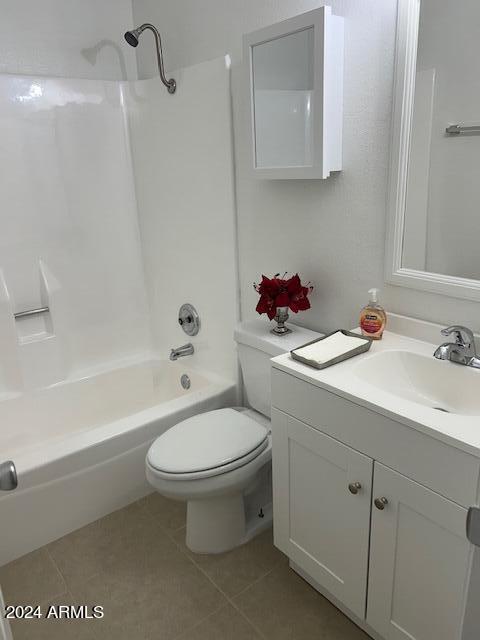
[373, 317]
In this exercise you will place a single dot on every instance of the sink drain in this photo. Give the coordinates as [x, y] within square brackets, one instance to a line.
[441, 409]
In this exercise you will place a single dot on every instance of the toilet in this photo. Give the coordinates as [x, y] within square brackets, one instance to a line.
[219, 462]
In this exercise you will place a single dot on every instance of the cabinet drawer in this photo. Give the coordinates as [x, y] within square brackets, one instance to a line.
[449, 471]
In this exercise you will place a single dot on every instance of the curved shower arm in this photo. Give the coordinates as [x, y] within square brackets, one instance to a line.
[170, 84]
[132, 38]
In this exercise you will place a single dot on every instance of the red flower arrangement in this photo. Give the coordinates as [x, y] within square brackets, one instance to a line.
[279, 292]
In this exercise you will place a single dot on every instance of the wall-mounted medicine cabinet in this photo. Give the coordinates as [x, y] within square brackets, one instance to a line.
[295, 79]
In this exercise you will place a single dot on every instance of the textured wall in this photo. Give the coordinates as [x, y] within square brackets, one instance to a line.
[332, 231]
[70, 38]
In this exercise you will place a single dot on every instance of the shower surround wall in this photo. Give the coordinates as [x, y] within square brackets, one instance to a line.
[183, 162]
[70, 237]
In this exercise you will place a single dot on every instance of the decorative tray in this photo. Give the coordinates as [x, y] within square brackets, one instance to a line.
[340, 358]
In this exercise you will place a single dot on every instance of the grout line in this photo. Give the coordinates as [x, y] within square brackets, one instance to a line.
[68, 587]
[199, 622]
[250, 622]
[252, 584]
[57, 569]
[226, 596]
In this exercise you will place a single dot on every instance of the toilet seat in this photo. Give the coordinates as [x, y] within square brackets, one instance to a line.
[207, 445]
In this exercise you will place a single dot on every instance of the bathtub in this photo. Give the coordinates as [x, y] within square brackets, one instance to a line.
[79, 446]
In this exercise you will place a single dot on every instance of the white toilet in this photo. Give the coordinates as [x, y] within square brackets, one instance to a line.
[220, 461]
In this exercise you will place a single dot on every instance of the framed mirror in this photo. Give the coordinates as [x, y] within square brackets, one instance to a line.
[434, 192]
[295, 79]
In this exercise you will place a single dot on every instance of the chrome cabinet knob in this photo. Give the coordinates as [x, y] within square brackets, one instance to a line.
[354, 487]
[380, 503]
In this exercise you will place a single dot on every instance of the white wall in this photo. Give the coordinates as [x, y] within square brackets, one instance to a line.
[70, 38]
[332, 232]
[183, 161]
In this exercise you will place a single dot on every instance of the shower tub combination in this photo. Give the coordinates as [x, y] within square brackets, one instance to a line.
[77, 292]
[79, 446]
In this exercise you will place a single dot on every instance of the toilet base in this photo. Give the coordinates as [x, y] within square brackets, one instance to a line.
[220, 524]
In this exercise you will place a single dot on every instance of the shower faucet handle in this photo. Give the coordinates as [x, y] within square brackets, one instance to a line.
[8, 476]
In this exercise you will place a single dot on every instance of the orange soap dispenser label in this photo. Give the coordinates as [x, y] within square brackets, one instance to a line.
[371, 322]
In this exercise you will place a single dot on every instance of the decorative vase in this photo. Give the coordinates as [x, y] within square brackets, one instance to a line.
[280, 318]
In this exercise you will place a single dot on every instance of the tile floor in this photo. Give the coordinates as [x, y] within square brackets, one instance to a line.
[135, 563]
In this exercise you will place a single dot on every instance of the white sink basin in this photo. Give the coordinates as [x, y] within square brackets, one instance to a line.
[433, 383]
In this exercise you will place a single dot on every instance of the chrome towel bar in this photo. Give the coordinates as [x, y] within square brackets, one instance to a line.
[31, 312]
[456, 129]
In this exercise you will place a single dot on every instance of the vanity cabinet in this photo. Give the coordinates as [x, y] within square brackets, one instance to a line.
[390, 551]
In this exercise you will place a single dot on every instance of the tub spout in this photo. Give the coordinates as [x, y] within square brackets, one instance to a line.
[180, 352]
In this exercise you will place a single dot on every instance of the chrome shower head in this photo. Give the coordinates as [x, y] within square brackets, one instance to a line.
[132, 37]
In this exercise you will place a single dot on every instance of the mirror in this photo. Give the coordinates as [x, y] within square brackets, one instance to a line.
[434, 223]
[295, 73]
[282, 71]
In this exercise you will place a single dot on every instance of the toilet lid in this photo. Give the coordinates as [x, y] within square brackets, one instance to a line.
[206, 441]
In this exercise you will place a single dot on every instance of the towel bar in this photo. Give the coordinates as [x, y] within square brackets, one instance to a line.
[31, 312]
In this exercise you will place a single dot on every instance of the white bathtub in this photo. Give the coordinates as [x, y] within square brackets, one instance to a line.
[79, 446]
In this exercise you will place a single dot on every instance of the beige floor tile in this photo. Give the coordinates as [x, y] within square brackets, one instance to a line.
[130, 533]
[237, 569]
[226, 624]
[32, 579]
[339, 627]
[55, 629]
[282, 606]
[153, 588]
[170, 514]
[158, 599]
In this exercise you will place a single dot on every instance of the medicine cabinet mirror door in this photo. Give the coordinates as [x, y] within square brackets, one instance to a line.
[433, 238]
[294, 74]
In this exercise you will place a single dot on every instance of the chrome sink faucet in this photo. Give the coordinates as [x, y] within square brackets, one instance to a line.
[180, 352]
[462, 351]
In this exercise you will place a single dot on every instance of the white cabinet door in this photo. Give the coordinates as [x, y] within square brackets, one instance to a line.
[419, 561]
[318, 522]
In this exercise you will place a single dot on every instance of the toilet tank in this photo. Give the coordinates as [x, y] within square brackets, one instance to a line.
[256, 346]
